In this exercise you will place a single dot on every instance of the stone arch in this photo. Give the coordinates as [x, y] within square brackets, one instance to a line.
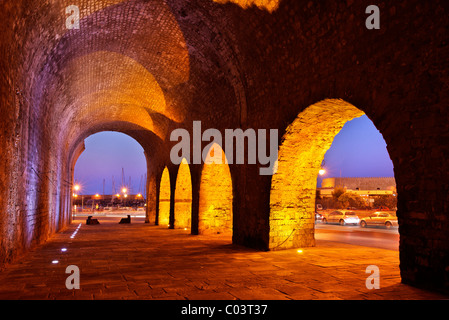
[183, 197]
[147, 139]
[164, 199]
[293, 186]
[215, 196]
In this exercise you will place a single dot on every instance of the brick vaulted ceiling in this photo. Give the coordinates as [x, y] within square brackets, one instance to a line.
[128, 62]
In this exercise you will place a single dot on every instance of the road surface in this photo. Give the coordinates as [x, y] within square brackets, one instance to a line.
[376, 237]
[369, 237]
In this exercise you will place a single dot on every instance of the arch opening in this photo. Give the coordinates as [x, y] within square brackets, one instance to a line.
[100, 185]
[294, 185]
[357, 171]
[215, 198]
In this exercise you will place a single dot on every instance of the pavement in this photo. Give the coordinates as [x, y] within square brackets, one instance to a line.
[141, 261]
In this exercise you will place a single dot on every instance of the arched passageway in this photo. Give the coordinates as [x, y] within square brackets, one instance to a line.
[215, 198]
[108, 163]
[183, 197]
[149, 67]
[293, 186]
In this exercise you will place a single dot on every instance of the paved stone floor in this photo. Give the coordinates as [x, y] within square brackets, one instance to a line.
[140, 261]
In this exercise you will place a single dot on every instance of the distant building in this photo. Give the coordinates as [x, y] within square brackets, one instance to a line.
[365, 187]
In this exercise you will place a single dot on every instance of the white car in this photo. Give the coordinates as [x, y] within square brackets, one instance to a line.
[342, 217]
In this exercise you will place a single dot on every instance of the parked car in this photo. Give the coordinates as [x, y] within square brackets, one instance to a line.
[318, 217]
[380, 219]
[342, 217]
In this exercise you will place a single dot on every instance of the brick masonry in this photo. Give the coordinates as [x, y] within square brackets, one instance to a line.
[363, 183]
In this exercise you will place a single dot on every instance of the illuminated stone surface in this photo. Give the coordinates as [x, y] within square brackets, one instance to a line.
[215, 204]
[164, 199]
[268, 5]
[293, 186]
[183, 197]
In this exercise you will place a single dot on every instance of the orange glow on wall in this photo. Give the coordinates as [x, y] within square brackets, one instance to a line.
[269, 5]
[293, 187]
[121, 90]
[183, 197]
[215, 205]
[164, 199]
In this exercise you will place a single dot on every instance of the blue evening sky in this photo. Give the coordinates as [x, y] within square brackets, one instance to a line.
[105, 155]
[358, 150]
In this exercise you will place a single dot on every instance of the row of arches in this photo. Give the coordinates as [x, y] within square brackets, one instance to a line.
[215, 196]
[292, 188]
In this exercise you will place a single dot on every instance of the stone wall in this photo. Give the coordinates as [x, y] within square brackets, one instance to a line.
[362, 183]
[183, 197]
[164, 199]
[215, 196]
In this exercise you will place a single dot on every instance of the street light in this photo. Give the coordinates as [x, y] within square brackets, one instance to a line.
[322, 170]
[77, 188]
